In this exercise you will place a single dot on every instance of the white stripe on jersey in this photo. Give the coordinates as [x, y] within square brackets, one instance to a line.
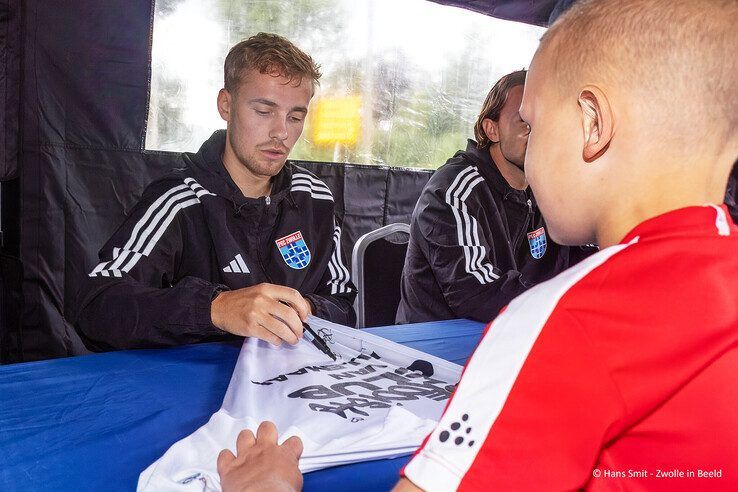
[309, 184]
[490, 374]
[721, 221]
[467, 228]
[339, 273]
[158, 216]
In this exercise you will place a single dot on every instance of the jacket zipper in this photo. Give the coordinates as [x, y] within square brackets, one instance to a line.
[267, 202]
[518, 240]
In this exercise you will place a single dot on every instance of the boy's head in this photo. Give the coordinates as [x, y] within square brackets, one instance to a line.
[629, 101]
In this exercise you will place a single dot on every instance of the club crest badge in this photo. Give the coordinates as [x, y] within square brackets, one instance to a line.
[294, 250]
[537, 242]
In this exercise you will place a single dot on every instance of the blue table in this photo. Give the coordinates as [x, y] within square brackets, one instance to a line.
[95, 422]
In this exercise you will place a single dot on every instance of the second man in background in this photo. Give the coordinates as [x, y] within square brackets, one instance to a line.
[477, 239]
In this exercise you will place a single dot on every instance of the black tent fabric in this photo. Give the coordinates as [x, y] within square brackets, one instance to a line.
[10, 24]
[11, 306]
[85, 92]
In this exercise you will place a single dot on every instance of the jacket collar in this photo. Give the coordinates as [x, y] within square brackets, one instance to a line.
[491, 173]
[207, 163]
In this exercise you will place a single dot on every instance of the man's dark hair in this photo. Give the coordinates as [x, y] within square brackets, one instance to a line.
[493, 104]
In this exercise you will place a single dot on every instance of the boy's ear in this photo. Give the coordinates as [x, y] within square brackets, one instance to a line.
[597, 122]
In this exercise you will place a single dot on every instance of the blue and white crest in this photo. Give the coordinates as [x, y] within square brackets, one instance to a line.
[294, 250]
[537, 242]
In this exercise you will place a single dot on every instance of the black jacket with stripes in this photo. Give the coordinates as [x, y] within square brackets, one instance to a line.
[475, 244]
[192, 234]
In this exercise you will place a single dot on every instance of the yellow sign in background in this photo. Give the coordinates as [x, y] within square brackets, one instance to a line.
[337, 120]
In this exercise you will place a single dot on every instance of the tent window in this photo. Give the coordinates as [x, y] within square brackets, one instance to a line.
[402, 81]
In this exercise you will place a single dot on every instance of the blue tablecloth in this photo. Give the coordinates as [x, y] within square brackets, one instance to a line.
[95, 422]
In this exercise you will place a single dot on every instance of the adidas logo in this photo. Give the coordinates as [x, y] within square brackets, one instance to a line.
[237, 266]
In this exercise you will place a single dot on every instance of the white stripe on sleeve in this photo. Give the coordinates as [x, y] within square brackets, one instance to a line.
[309, 184]
[339, 273]
[150, 227]
[467, 227]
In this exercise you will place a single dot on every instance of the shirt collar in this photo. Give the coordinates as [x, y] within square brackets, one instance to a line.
[704, 220]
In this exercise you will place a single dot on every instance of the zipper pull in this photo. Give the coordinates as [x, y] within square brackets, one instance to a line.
[268, 200]
[530, 206]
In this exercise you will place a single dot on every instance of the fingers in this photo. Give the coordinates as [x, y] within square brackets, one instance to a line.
[302, 306]
[267, 432]
[279, 328]
[225, 458]
[244, 441]
[285, 313]
[291, 297]
[264, 334]
[294, 446]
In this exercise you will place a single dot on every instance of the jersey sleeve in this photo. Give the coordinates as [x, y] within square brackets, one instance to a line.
[534, 406]
[133, 296]
[334, 298]
[461, 256]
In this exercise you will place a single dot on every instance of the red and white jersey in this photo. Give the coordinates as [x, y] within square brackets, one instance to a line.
[621, 373]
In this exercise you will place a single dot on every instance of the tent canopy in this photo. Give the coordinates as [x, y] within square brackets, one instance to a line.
[536, 12]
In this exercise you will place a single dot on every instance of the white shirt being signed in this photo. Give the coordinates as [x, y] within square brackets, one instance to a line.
[378, 400]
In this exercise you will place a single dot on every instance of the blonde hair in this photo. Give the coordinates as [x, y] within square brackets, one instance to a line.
[272, 54]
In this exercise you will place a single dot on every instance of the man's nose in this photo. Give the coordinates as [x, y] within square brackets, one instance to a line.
[279, 129]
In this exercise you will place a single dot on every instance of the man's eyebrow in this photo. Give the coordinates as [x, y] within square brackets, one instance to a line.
[265, 102]
[272, 104]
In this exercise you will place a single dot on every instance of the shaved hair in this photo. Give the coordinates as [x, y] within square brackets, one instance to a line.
[676, 56]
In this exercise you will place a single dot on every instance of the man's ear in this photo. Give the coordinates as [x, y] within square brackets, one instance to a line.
[224, 104]
[491, 129]
[597, 122]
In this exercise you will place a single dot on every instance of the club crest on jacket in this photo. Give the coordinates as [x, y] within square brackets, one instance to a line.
[294, 250]
[537, 242]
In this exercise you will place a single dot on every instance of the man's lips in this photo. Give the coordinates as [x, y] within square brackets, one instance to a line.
[274, 153]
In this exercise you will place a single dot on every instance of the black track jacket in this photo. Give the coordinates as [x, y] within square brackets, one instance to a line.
[475, 244]
[192, 234]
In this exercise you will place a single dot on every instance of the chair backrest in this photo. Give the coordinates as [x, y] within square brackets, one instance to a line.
[376, 266]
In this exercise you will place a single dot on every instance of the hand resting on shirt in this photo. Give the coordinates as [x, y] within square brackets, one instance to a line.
[260, 464]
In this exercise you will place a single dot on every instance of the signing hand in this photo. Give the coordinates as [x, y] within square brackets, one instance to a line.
[261, 464]
[270, 312]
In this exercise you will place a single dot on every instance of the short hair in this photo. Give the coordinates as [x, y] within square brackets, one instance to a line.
[678, 54]
[271, 54]
[494, 103]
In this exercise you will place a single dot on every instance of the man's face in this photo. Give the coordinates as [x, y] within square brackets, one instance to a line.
[513, 131]
[265, 118]
[562, 182]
